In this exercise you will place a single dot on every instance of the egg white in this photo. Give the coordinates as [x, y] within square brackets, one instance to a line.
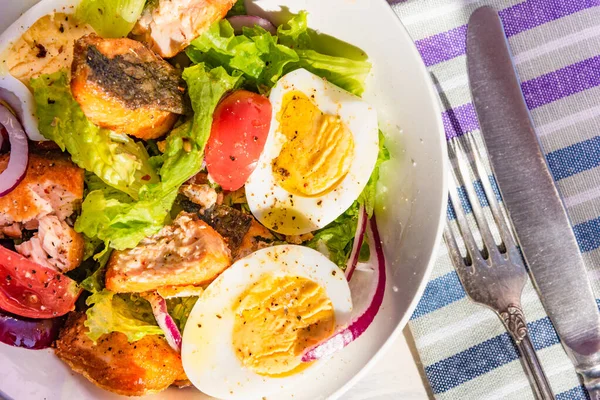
[12, 90]
[310, 213]
[207, 350]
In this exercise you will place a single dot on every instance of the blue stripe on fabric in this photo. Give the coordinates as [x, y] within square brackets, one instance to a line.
[438, 293]
[485, 357]
[574, 159]
[588, 235]
[577, 393]
[483, 201]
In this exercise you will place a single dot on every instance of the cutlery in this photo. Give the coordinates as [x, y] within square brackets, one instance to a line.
[534, 205]
[493, 275]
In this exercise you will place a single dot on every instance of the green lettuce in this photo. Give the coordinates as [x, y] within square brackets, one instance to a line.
[336, 238]
[255, 54]
[263, 58]
[129, 314]
[239, 8]
[179, 308]
[122, 223]
[110, 18]
[117, 159]
[368, 196]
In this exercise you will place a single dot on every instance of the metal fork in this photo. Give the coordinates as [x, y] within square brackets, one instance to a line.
[493, 276]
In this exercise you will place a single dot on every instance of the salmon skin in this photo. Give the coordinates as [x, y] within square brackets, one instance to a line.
[122, 85]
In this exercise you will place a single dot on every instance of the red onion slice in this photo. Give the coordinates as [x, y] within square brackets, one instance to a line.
[359, 236]
[165, 321]
[19, 152]
[239, 21]
[366, 310]
[28, 333]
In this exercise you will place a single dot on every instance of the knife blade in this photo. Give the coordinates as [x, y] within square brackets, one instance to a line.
[531, 198]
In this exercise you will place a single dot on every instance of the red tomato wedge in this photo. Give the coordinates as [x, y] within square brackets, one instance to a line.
[239, 131]
[32, 290]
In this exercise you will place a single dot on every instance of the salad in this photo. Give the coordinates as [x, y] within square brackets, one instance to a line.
[187, 195]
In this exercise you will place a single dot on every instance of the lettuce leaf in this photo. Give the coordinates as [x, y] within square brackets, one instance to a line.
[255, 54]
[115, 158]
[368, 197]
[239, 8]
[129, 314]
[263, 58]
[94, 283]
[179, 308]
[122, 223]
[110, 18]
[336, 239]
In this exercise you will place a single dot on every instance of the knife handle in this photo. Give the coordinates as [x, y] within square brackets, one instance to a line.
[591, 377]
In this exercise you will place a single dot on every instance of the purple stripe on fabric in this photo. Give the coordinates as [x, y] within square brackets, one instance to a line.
[443, 46]
[532, 13]
[460, 120]
[516, 19]
[561, 83]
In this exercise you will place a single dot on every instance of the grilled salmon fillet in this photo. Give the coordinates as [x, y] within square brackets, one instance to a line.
[131, 369]
[187, 252]
[122, 85]
[168, 26]
[52, 185]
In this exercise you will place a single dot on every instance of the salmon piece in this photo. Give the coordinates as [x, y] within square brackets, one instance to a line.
[187, 252]
[258, 237]
[122, 85]
[168, 26]
[54, 245]
[202, 194]
[146, 366]
[52, 185]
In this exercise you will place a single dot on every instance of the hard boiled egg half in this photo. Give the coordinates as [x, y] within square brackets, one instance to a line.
[246, 334]
[319, 155]
[39, 42]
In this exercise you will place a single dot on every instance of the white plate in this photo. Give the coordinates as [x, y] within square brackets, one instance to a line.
[414, 202]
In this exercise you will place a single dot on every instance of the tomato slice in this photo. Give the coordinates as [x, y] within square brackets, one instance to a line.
[239, 131]
[32, 290]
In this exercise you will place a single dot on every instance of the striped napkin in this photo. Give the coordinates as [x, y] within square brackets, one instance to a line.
[465, 351]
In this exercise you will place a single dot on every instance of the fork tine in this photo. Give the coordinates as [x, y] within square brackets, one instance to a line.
[482, 223]
[503, 228]
[454, 251]
[462, 222]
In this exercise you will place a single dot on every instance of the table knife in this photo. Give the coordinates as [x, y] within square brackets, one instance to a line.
[530, 196]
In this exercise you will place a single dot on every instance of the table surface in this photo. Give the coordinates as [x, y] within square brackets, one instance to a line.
[394, 376]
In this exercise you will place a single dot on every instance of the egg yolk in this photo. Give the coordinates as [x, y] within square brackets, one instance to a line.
[319, 149]
[276, 319]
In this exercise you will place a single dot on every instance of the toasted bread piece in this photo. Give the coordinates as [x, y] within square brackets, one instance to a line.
[52, 185]
[168, 26]
[122, 85]
[147, 366]
[187, 252]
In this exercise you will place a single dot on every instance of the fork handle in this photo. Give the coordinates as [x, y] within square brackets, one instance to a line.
[514, 321]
